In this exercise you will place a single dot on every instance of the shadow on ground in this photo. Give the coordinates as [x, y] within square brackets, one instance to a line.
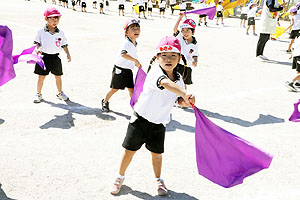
[262, 119]
[278, 62]
[3, 195]
[142, 195]
[66, 121]
[2, 121]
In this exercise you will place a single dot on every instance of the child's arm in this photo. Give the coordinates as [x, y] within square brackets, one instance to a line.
[195, 61]
[173, 87]
[65, 48]
[292, 23]
[175, 29]
[129, 57]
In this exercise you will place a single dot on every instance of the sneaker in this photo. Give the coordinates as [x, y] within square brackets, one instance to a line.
[62, 96]
[217, 24]
[205, 23]
[254, 34]
[162, 189]
[247, 33]
[288, 51]
[290, 85]
[199, 24]
[297, 85]
[38, 98]
[117, 186]
[261, 58]
[105, 105]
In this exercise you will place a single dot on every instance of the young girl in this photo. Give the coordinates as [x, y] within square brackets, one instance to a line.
[202, 5]
[121, 6]
[243, 16]
[83, 5]
[126, 60]
[295, 25]
[251, 18]
[107, 5]
[95, 4]
[73, 5]
[101, 5]
[162, 87]
[150, 6]
[189, 47]
[295, 84]
[220, 12]
[162, 8]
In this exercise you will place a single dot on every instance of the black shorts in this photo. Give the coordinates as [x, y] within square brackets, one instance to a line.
[64, 1]
[121, 7]
[162, 9]
[101, 5]
[251, 21]
[141, 131]
[83, 5]
[121, 78]
[296, 63]
[149, 9]
[200, 16]
[107, 3]
[294, 34]
[94, 2]
[186, 73]
[243, 16]
[141, 9]
[73, 3]
[219, 14]
[52, 63]
[182, 10]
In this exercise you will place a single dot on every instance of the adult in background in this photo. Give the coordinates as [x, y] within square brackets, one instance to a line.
[268, 23]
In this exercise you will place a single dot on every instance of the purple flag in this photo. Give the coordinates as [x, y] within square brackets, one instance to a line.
[295, 117]
[138, 86]
[27, 56]
[209, 11]
[7, 71]
[224, 158]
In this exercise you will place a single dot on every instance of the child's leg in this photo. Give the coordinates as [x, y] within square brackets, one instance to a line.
[40, 83]
[156, 163]
[110, 93]
[297, 77]
[222, 20]
[58, 83]
[291, 43]
[130, 90]
[248, 28]
[253, 29]
[126, 160]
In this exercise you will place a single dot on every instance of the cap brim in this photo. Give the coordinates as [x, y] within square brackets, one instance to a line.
[54, 15]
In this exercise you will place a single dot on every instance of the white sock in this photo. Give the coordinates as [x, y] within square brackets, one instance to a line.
[120, 176]
[158, 179]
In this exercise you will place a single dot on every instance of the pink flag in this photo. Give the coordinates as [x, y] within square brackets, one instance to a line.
[138, 86]
[224, 158]
[295, 117]
[7, 71]
[210, 12]
[28, 56]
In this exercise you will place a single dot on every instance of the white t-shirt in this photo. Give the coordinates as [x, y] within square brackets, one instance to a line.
[252, 12]
[150, 5]
[83, 1]
[134, 2]
[188, 50]
[129, 48]
[296, 47]
[182, 6]
[50, 43]
[141, 2]
[162, 4]
[155, 102]
[245, 10]
[219, 8]
[202, 5]
[296, 25]
[172, 2]
[121, 2]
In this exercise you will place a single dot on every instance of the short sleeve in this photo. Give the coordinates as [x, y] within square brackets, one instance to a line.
[37, 39]
[154, 77]
[195, 52]
[64, 42]
[124, 48]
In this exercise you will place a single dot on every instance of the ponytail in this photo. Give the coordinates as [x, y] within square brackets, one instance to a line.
[151, 61]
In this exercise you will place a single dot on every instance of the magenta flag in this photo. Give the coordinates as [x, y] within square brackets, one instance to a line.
[7, 71]
[209, 11]
[295, 117]
[138, 86]
[28, 56]
[224, 158]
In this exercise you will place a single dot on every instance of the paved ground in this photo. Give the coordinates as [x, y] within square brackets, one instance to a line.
[71, 150]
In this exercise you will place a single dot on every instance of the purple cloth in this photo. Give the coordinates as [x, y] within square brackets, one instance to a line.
[224, 158]
[295, 117]
[210, 12]
[7, 71]
[27, 56]
[138, 86]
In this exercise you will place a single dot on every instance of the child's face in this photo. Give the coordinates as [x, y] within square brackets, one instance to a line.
[187, 33]
[52, 21]
[168, 60]
[133, 31]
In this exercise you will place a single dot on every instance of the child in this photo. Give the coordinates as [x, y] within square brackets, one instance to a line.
[243, 17]
[101, 5]
[65, 3]
[162, 8]
[141, 8]
[189, 47]
[59, 2]
[182, 7]
[295, 84]
[251, 18]
[150, 6]
[127, 58]
[162, 87]
[220, 12]
[295, 25]
[83, 5]
[73, 5]
[134, 3]
[202, 5]
[172, 4]
[107, 5]
[54, 2]
[50, 41]
[95, 4]
[121, 6]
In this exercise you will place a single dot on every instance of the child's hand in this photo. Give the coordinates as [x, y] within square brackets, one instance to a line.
[188, 100]
[38, 52]
[69, 58]
[291, 57]
[137, 63]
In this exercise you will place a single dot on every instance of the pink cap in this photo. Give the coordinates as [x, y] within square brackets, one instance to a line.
[293, 9]
[131, 21]
[52, 12]
[168, 44]
[188, 23]
[298, 4]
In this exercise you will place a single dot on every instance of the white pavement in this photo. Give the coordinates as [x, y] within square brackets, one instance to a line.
[71, 150]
